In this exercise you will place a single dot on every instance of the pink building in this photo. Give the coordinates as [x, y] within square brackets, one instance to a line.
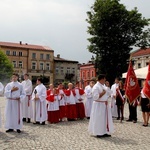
[87, 71]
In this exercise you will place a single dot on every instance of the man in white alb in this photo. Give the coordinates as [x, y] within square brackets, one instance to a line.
[39, 99]
[100, 123]
[14, 94]
[27, 104]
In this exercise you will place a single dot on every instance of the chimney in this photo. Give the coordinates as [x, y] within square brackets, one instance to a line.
[58, 55]
[20, 42]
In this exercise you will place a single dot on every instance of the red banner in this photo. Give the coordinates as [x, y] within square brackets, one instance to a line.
[146, 88]
[132, 88]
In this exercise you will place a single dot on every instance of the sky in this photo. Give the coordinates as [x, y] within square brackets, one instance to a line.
[59, 24]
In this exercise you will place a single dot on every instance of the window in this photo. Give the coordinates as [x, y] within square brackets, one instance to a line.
[20, 53]
[62, 70]
[42, 56]
[14, 53]
[88, 74]
[57, 70]
[92, 74]
[47, 67]
[7, 52]
[139, 65]
[33, 65]
[73, 70]
[68, 69]
[20, 64]
[41, 66]
[33, 55]
[83, 75]
[14, 64]
[47, 56]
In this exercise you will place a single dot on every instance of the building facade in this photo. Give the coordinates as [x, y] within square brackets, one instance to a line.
[87, 71]
[35, 60]
[141, 58]
[65, 70]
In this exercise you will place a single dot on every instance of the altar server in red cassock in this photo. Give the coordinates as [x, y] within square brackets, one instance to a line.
[71, 111]
[79, 101]
[62, 102]
[53, 105]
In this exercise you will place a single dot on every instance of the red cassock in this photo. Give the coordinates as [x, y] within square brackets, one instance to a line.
[50, 96]
[71, 112]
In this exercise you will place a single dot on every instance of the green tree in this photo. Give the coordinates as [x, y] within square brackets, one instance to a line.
[6, 68]
[113, 31]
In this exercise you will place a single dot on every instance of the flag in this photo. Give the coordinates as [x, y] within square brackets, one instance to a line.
[132, 88]
[146, 88]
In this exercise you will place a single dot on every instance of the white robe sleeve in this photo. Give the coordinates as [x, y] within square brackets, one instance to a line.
[43, 94]
[95, 93]
[7, 91]
[22, 93]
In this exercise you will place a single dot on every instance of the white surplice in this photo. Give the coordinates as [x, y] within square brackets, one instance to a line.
[114, 106]
[88, 100]
[53, 106]
[27, 111]
[39, 108]
[62, 100]
[13, 110]
[101, 113]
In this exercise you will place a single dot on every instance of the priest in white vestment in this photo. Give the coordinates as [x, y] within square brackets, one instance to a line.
[14, 95]
[39, 99]
[88, 98]
[100, 123]
[27, 112]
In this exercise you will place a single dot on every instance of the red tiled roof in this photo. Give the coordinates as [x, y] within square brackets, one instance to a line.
[29, 46]
[141, 52]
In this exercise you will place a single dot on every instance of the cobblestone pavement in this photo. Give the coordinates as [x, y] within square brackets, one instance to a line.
[74, 136]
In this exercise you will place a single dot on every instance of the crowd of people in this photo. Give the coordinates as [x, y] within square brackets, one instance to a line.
[97, 102]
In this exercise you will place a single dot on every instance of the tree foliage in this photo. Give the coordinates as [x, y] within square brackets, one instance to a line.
[6, 68]
[114, 30]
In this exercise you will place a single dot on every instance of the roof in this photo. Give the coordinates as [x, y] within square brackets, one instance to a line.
[141, 52]
[141, 73]
[28, 46]
[64, 60]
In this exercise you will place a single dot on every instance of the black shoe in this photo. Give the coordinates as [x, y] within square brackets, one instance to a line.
[36, 122]
[118, 118]
[100, 136]
[24, 119]
[28, 120]
[129, 120]
[88, 117]
[145, 125]
[107, 135]
[134, 121]
[9, 130]
[43, 123]
[19, 131]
